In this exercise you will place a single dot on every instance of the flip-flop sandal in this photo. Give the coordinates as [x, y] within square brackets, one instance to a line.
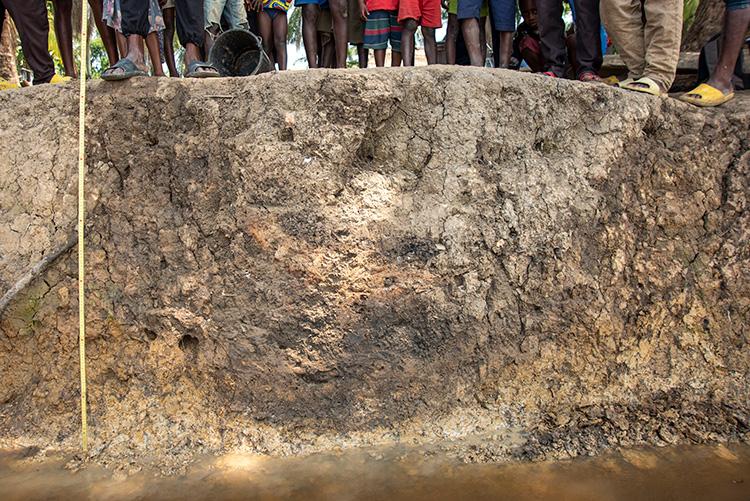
[645, 85]
[589, 77]
[6, 85]
[622, 83]
[550, 74]
[129, 69]
[195, 66]
[706, 96]
[59, 79]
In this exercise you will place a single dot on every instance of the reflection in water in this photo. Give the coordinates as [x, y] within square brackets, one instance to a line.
[679, 473]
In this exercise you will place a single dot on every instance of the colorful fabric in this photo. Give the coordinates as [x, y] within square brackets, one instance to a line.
[282, 5]
[112, 15]
[425, 12]
[380, 27]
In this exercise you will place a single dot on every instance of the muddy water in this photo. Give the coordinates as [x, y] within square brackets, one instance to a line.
[678, 473]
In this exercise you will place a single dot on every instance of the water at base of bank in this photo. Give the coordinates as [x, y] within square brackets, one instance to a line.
[712, 472]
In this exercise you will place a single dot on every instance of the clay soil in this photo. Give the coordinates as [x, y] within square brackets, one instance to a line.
[300, 262]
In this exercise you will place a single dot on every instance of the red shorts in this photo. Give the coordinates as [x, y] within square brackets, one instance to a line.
[426, 12]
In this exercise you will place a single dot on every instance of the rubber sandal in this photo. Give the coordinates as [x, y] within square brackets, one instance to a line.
[706, 96]
[6, 85]
[550, 74]
[200, 65]
[589, 77]
[59, 80]
[624, 82]
[129, 69]
[651, 87]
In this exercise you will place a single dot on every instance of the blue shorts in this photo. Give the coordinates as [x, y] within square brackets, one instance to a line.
[322, 3]
[503, 12]
[737, 4]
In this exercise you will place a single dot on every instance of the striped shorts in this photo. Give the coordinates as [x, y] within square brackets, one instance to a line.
[381, 26]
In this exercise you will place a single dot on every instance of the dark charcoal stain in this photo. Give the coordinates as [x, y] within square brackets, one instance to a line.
[410, 249]
[308, 226]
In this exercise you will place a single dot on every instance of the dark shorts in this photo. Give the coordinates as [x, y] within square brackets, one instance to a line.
[272, 13]
[737, 4]
[380, 27]
[503, 12]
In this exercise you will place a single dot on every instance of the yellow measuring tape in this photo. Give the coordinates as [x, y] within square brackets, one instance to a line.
[81, 219]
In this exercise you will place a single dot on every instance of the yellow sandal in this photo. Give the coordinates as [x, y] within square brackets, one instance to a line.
[645, 85]
[706, 96]
[6, 85]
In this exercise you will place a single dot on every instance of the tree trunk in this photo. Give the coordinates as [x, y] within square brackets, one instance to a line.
[709, 18]
[8, 68]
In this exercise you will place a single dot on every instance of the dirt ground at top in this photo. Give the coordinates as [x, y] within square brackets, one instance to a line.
[305, 261]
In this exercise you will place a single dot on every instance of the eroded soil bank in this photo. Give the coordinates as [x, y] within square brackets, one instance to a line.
[297, 262]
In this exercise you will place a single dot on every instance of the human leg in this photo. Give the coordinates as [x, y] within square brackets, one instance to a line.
[280, 29]
[64, 34]
[451, 36]
[265, 26]
[30, 17]
[662, 36]
[106, 33]
[212, 11]
[190, 32]
[624, 22]
[310, 13]
[339, 14]
[152, 44]
[408, 29]
[169, 41]
[468, 17]
[588, 37]
[736, 22]
[552, 35]
[504, 24]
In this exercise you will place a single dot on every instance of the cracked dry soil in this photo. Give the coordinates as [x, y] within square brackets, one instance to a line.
[303, 261]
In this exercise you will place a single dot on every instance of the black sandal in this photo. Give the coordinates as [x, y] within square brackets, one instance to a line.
[195, 67]
[129, 68]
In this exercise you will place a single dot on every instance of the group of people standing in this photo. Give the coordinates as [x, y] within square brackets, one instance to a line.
[646, 34]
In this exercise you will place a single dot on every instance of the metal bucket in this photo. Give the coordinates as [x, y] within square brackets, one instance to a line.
[239, 53]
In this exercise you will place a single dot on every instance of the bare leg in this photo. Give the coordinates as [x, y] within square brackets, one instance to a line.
[340, 30]
[310, 14]
[106, 33]
[380, 57]
[209, 36]
[266, 33]
[430, 45]
[122, 43]
[64, 34]
[735, 26]
[362, 55]
[408, 28]
[134, 53]
[395, 58]
[280, 29]
[483, 38]
[451, 36]
[169, 41]
[152, 42]
[505, 48]
[470, 29]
